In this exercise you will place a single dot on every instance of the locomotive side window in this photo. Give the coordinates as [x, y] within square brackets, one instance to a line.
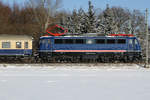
[79, 41]
[18, 44]
[111, 41]
[40, 41]
[100, 41]
[58, 41]
[5, 44]
[121, 41]
[68, 41]
[26, 44]
[89, 41]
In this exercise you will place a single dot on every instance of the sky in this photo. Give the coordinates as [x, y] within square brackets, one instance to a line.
[69, 5]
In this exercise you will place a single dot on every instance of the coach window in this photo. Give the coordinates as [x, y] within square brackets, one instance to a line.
[68, 41]
[121, 41]
[100, 41]
[111, 41]
[18, 44]
[58, 41]
[79, 41]
[5, 44]
[26, 44]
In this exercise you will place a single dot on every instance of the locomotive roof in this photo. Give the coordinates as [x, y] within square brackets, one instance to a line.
[64, 37]
[15, 37]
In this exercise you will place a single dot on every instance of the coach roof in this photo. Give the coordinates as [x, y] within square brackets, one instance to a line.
[15, 37]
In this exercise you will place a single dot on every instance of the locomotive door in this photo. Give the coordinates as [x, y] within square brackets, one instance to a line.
[48, 45]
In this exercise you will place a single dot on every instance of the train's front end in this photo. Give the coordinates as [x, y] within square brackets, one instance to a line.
[45, 48]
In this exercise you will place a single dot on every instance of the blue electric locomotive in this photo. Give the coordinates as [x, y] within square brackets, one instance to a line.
[102, 48]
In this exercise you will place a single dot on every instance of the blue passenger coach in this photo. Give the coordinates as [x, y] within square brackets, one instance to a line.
[102, 48]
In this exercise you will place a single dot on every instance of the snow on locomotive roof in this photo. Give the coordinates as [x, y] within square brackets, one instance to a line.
[92, 35]
[87, 36]
[15, 37]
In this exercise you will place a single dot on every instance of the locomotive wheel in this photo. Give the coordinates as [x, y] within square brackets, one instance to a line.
[105, 59]
[130, 59]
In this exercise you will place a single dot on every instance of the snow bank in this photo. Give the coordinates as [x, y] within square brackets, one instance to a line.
[70, 66]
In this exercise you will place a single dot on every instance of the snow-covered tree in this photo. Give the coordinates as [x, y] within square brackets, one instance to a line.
[75, 22]
[90, 20]
[81, 21]
[108, 24]
[99, 25]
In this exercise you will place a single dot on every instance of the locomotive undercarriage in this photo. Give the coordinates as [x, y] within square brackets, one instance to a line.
[49, 57]
[89, 57]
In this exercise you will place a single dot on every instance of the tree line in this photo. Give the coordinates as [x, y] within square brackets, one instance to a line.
[37, 15]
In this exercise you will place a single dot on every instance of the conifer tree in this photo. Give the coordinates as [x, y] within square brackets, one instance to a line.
[81, 21]
[108, 24]
[75, 22]
[90, 20]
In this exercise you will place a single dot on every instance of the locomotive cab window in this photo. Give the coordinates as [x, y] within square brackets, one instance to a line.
[111, 41]
[5, 44]
[18, 44]
[42, 41]
[136, 42]
[121, 41]
[58, 41]
[130, 41]
[100, 41]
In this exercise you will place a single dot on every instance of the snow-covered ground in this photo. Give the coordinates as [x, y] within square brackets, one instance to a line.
[47, 82]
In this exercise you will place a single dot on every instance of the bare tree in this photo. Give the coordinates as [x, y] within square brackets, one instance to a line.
[44, 11]
[122, 17]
